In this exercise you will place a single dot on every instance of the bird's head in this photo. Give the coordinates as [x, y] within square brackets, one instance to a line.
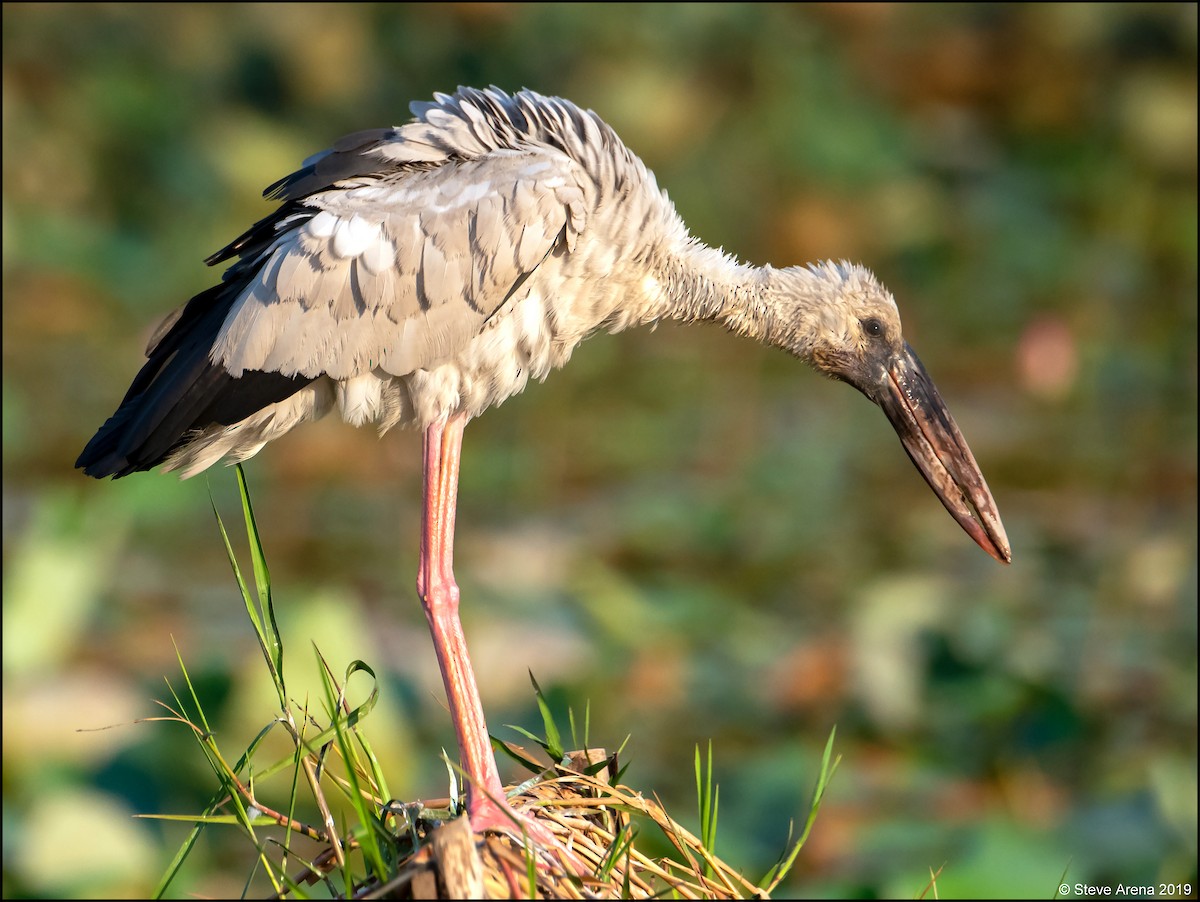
[839, 318]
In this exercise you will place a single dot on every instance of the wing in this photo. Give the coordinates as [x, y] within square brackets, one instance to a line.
[399, 273]
[396, 265]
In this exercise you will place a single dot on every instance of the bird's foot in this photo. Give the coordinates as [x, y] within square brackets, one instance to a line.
[487, 815]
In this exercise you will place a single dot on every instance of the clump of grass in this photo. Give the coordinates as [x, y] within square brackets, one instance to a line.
[362, 843]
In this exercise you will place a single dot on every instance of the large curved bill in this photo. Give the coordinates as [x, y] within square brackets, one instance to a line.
[931, 437]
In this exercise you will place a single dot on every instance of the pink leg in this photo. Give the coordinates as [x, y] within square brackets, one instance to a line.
[439, 596]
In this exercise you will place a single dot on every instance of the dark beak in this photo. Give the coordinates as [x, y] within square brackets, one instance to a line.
[931, 438]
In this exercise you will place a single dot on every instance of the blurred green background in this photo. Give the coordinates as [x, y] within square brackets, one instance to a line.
[688, 530]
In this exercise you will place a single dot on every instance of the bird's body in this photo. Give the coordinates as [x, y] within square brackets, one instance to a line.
[419, 275]
[452, 260]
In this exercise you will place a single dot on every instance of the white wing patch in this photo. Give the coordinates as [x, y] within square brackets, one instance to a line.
[352, 237]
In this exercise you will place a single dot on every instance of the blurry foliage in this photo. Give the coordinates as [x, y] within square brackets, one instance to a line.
[685, 528]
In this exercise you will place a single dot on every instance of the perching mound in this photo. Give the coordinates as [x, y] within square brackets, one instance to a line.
[599, 826]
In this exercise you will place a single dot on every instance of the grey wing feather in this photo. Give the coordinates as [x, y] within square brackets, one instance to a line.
[348, 158]
[400, 272]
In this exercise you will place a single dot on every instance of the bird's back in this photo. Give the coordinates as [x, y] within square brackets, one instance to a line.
[408, 273]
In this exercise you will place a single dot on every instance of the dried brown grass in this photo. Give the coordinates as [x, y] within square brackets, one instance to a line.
[598, 827]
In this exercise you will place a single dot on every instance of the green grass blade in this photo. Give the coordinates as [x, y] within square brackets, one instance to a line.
[258, 603]
[228, 789]
[1062, 880]
[528, 763]
[621, 845]
[368, 838]
[272, 644]
[576, 741]
[707, 798]
[530, 868]
[553, 745]
[829, 764]
[620, 774]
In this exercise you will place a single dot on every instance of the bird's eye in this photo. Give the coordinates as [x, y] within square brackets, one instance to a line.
[872, 326]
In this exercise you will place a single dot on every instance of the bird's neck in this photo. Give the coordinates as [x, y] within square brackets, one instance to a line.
[701, 283]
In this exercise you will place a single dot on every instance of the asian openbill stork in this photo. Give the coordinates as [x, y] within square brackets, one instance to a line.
[421, 274]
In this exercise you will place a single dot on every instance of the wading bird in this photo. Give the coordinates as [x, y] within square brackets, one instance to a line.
[421, 274]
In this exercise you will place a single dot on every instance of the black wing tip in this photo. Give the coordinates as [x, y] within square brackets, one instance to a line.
[280, 190]
[101, 468]
[151, 426]
[102, 457]
[105, 469]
